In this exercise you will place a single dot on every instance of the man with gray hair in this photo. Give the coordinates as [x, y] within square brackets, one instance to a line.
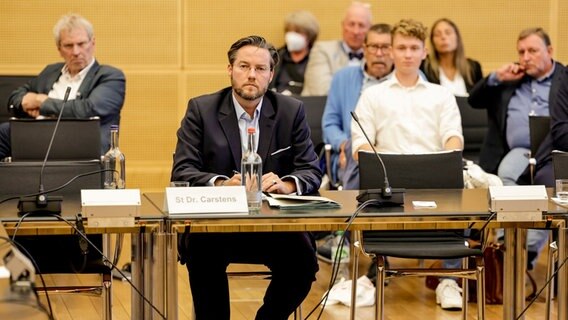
[510, 95]
[96, 90]
[327, 57]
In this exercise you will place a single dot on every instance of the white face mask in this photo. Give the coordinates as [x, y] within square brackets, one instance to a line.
[295, 41]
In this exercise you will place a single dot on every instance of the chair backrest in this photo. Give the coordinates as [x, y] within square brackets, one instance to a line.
[76, 139]
[314, 106]
[474, 125]
[25, 177]
[539, 127]
[440, 170]
[55, 253]
[560, 163]
[7, 85]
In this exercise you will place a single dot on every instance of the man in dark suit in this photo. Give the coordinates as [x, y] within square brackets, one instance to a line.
[510, 94]
[96, 90]
[209, 148]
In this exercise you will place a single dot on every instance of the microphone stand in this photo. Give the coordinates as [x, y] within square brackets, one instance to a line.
[42, 204]
[386, 195]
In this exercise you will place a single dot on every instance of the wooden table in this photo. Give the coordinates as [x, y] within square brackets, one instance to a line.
[456, 209]
[148, 226]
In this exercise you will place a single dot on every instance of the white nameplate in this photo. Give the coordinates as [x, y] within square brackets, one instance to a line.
[111, 207]
[203, 200]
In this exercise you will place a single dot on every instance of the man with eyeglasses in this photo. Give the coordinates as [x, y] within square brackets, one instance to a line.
[511, 94]
[211, 140]
[96, 90]
[346, 87]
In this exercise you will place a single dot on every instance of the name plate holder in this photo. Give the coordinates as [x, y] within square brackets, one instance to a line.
[202, 201]
[518, 203]
[111, 207]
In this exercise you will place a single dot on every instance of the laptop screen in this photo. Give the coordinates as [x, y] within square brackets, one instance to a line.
[76, 139]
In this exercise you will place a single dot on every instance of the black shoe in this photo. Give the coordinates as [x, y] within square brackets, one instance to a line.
[372, 272]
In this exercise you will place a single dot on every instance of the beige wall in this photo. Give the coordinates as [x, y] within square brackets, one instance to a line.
[172, 50]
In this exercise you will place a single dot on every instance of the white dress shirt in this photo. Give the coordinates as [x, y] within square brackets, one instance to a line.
[398, 119]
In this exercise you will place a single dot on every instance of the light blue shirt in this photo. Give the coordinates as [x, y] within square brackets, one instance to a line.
[530, 98]
[245, 122]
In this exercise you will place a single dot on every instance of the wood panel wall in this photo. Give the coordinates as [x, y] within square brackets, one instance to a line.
[172, 50]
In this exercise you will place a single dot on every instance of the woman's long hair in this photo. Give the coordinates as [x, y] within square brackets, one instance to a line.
[432, 63]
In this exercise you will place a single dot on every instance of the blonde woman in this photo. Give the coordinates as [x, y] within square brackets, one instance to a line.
[447, 63]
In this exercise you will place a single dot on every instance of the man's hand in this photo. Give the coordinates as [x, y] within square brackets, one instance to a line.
[364, 147]
[31, 103]
[342, 156]
[272, 183]
[510, 72]
[235, 180]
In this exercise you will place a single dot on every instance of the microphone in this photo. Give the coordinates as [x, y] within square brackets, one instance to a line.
[386, 195]
[41, 204]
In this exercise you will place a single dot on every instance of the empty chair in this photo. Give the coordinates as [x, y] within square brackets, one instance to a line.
[560, 163]
[417, 171]
[539, 127]
[314, 107]
[474, 124]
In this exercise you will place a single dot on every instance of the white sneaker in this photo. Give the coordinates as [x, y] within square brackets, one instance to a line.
[448, 295]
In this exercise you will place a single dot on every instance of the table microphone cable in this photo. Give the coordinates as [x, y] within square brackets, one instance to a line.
[107, 260]
[336, 257]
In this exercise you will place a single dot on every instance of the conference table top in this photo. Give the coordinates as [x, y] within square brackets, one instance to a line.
[455, 208]
[46, 224]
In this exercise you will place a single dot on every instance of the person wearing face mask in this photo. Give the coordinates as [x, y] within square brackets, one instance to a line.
[447, 64]
[301, 30]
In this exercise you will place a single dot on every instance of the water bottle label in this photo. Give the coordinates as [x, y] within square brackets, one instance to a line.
[343, 253]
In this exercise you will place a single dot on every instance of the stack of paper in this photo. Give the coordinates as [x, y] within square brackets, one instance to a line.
[294, 202]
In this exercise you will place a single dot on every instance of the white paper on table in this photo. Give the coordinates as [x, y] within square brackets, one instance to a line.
[424, 204]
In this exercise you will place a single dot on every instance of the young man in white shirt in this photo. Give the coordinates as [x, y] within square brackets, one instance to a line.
[407, 114]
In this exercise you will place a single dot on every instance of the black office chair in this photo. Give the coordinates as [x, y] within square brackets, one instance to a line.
[314, 106]
[475, 127]
[417, 171]
[9, 83]
[560, 165]
[539, 127]
[57, 254]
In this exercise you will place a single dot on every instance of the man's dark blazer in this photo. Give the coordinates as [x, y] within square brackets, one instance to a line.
[209, 142]
[101, 94]
[496, 100]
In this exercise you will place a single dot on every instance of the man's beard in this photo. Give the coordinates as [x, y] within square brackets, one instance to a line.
[250, 97]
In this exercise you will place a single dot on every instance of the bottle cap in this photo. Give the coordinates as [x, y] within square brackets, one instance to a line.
[251, 130]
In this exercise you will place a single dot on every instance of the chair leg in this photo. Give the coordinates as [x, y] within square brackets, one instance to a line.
[355, 250]
[465, 291]
[380, 292]
[552, 252]
[298, 313]
[480, 277]
[107, 296]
